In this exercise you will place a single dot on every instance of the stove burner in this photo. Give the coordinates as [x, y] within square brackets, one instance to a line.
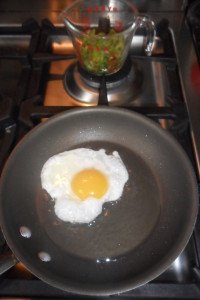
[122, 86]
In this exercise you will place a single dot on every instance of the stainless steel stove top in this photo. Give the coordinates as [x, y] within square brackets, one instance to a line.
[155, 88]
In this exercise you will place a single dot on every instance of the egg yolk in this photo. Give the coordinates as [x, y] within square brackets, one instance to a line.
[89, 183]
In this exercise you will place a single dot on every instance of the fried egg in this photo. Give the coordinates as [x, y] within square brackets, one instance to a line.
[80, 181]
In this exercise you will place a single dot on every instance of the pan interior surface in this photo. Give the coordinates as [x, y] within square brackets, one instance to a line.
[135, 238]
[121, 227]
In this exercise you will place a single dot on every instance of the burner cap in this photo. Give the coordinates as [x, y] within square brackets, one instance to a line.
[122, 87]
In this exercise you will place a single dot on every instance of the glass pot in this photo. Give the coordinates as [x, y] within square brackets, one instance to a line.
[102, 32]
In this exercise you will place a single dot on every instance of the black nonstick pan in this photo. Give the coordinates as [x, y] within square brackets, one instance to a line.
[135, 238]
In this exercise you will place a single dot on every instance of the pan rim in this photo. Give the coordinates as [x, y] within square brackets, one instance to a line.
[167, 261]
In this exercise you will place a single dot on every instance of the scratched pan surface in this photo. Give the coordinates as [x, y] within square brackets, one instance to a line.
[135, 238]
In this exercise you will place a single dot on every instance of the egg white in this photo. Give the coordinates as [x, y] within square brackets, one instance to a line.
[57, 174]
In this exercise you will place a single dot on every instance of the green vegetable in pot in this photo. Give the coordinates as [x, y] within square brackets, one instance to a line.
[100, 53]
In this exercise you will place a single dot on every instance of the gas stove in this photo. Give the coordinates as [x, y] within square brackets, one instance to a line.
[40, 77]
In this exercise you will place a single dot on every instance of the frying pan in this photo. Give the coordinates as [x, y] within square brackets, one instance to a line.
[135, 238]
